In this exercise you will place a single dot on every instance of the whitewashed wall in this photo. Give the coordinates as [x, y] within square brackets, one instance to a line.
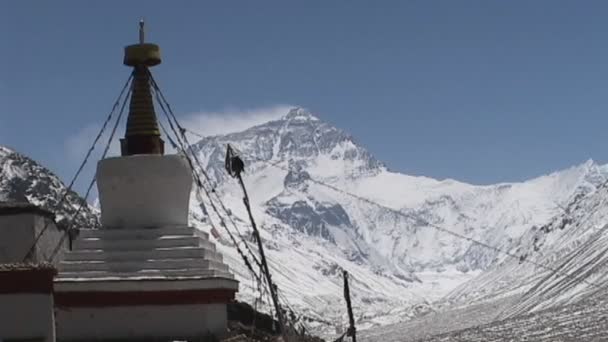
[144, 191]
[17, 233]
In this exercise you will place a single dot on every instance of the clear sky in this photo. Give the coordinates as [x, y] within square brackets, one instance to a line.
[480, 91]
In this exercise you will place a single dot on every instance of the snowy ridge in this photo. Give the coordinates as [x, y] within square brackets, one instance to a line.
[572, 244]
[555, 301]
[422, 264]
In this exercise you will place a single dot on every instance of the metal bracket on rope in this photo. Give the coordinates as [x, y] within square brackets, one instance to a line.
[234, 164]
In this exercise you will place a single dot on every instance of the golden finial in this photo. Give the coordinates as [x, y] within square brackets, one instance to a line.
[142, 135]
[146, 54]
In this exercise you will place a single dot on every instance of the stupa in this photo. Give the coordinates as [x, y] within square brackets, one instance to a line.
[145, 274]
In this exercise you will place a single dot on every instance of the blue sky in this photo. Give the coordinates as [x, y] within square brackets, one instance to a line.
[479, 91]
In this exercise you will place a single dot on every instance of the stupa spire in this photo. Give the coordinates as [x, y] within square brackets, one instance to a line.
[141, 32]
[142, 135]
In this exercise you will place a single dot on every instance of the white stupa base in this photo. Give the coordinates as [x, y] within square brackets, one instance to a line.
[140, 309]
[142, 284]
[144, 191]
[146, 275]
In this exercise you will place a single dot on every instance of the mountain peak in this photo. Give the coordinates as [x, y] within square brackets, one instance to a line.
[589, 163]
[5, 150]
[589, 168]
[300, 114]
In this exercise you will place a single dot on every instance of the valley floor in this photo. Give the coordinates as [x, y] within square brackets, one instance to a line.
[585, 321]
[439, 322]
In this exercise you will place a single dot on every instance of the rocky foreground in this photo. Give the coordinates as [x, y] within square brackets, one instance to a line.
[247, 324]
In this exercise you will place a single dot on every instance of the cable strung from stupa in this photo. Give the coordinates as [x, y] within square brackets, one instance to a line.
[142, 135]
[83, 203]
[175, 128]
[186, 147]
[85, 160]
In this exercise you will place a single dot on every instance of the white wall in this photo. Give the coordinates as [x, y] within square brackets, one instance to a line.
[144, 191]
[178, 321]
[16, 236]
[27, 315]
[49, 240]
[17, 233]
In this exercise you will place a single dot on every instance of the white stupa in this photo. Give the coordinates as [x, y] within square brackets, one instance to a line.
[145, 274]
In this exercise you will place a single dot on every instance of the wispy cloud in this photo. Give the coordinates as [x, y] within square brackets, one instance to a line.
[205, 123]
[77, 145]
[231, 119]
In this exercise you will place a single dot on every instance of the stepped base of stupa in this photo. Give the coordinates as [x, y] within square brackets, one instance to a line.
[142, 283]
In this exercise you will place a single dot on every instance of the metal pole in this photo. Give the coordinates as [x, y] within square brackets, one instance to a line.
[352, 331]
[273, 292]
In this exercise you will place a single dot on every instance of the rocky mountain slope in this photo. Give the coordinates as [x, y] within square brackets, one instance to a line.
[400, 265]
[24, 180]
[572, 246]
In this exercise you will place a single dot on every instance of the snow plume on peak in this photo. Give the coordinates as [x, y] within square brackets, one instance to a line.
[298, 113]
[210, 123]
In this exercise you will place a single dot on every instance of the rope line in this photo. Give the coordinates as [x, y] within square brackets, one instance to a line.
[173, 122]
[182, 142]
[83, 203]
[81, 167]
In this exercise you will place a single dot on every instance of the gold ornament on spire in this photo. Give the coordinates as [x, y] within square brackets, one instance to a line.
[142, 135]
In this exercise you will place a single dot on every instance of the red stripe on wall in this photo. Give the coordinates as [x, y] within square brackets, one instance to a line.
[33, 280]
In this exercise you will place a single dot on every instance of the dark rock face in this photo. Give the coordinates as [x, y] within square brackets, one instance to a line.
[296, 178]
[313, 221]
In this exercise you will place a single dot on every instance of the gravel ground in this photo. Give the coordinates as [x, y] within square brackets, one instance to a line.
[586, 321]
[438, 323]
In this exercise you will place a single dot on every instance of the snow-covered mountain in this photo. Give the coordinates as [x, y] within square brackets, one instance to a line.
[417, 263]
[572, 249]
[400, 264]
